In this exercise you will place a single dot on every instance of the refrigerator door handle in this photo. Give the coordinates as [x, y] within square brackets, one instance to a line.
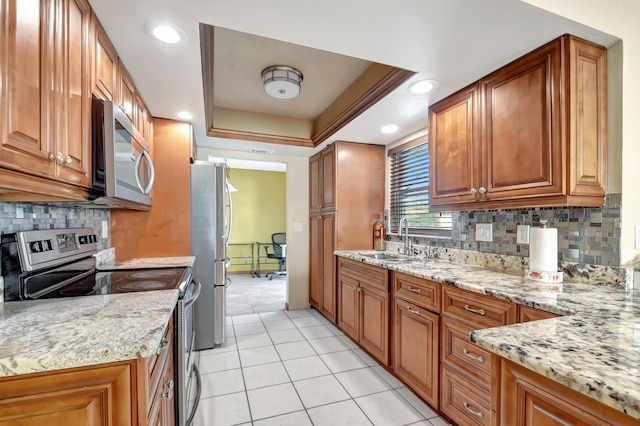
[228, 281]
[228, 262]
[230, 218]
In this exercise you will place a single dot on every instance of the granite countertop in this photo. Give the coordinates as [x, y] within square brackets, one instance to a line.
[148, 263]
[53, 334]
[594, 349]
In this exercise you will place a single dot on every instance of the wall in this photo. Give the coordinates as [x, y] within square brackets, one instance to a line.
[42, 216]
[297, 222]
[259, 210]
[619, 18]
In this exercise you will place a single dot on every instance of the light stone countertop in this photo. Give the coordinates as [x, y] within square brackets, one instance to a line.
[148, 263]
[53, 334]
[594, 350]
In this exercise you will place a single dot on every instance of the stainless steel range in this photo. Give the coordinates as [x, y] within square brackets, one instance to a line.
[58, 263]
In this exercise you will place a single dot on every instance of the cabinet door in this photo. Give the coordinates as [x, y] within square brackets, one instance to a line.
[348, 306]
[328, 285]
[315, 182]
[27, 37]
[374, 323]
[74, 105]
[454, 149]
[126, 93]
[105, 64]
[92, 396]
[415, 358]
[522, 128]
[328, 177]
[315, 261]
[529, 399]
[587, 120]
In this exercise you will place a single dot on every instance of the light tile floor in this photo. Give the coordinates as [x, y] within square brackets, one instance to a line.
[248, 295]
[296, 368]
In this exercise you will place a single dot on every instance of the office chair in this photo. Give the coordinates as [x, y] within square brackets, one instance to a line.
[279, 245]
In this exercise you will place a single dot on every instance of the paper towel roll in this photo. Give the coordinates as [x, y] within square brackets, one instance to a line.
[543, 249]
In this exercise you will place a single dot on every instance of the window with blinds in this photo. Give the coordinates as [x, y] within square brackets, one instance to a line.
[409, 176]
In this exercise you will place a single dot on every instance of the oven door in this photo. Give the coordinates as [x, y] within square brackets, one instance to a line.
[189, 383]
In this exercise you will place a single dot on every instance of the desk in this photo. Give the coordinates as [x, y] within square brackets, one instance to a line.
[262, 258]
[247, 247]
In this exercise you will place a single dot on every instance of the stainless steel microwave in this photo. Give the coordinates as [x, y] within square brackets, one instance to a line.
[122, 170]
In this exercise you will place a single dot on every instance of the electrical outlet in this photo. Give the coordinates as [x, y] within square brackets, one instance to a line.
[523, 234]
[484, 232]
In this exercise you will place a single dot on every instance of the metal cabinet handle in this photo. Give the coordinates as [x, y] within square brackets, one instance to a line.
[68, 161]
[168, 390]
[413, 311]
[482, 190]
[473, 191]
[478, 358]
[472, 411]
[415, 290]
[475, 311]
[164, 344]
[319, 206]
[58, 158]
[52, 156]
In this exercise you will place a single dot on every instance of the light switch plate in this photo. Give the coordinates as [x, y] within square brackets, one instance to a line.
[105, 229]
[523, 234]
[484, 232]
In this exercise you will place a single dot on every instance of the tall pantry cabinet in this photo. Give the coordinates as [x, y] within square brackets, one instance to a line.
[345, 194]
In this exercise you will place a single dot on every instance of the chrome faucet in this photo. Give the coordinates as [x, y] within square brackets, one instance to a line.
[405, 238]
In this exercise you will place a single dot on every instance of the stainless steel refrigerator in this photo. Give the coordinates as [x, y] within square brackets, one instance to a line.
[211, 214]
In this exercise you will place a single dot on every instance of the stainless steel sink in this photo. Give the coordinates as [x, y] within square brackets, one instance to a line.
[389, 257]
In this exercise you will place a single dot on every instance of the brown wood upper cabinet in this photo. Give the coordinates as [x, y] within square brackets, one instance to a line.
[533, 133]
[45, 94]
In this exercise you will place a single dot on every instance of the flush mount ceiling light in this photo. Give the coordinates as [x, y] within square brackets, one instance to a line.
[166, 33]
[281, 81]
[389, 128]
[422, 87]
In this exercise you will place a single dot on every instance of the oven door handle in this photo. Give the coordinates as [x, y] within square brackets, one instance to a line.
[192, 414]
[194, 296]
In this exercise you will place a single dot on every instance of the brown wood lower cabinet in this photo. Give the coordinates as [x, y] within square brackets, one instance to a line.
[415, 349]
[529, 399]
[363, 306]
[137, 392]
[462, 400]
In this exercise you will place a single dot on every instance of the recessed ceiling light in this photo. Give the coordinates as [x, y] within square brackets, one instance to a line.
[389, 128]
[185, 115]
[166, 33]
[422, 87]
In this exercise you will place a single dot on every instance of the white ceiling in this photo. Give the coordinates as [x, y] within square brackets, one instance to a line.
[453, 41]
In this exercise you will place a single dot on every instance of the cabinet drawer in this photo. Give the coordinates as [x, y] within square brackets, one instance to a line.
[371, 275]
[476, 310]
[423, 293]
[458, 352]
[526, 314]
[156, 362]
[463, 401]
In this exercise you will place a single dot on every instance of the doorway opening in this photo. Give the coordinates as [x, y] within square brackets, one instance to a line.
[259, 211]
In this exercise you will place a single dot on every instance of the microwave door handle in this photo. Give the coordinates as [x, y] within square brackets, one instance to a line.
[152, 173]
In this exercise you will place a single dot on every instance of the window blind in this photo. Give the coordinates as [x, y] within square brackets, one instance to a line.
[409, 176]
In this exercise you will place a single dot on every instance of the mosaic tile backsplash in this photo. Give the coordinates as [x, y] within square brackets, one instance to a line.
[16, 217]
[585, 235]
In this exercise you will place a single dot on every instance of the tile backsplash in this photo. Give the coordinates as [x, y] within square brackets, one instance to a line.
[16, 217]
[585, 235]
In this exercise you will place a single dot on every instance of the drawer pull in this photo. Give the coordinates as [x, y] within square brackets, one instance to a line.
[168, 390]
[472, 411]
[413, 311]
[478, 358]
[415, 290]
[475, 311]
[164, 344]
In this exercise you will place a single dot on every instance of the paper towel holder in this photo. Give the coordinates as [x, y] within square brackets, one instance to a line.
[548, 277]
